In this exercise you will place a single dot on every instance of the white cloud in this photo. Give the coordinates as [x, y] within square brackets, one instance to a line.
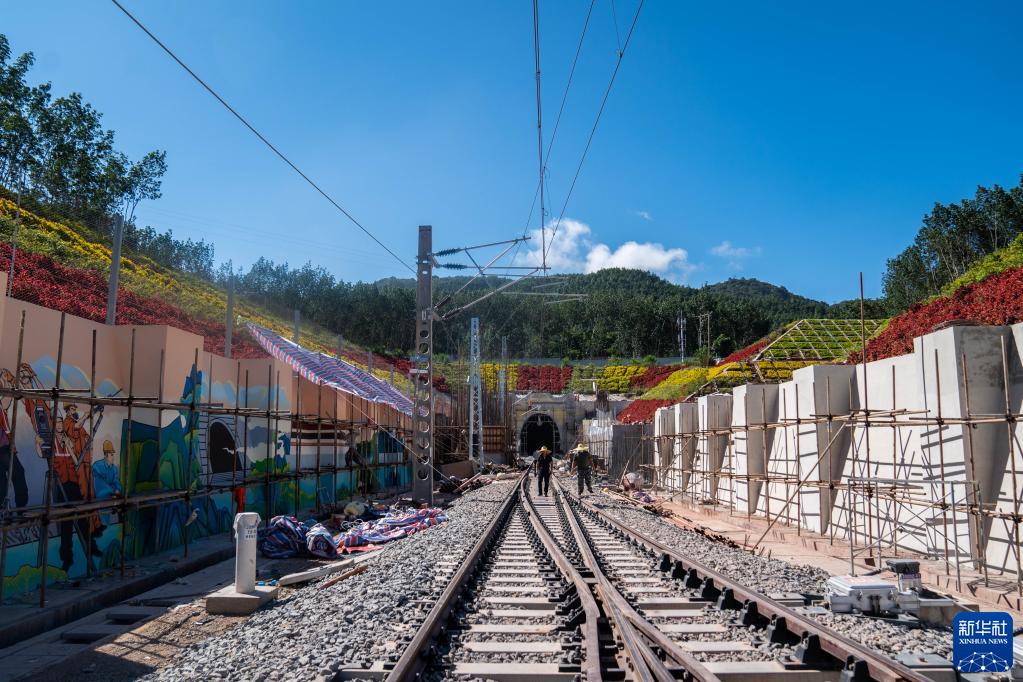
[735, 255]
[573, 249]
[645, 215]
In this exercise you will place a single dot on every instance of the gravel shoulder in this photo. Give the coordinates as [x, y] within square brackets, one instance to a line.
[311, 633]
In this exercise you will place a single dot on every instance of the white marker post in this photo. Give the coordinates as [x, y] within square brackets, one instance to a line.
[246, 526]
[244, 596]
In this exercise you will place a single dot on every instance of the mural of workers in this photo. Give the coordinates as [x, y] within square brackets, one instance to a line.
[106, 479]
[67, 445]
[71, 484]
[10, 466]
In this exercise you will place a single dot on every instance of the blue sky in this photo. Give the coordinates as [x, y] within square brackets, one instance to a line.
[794, 142]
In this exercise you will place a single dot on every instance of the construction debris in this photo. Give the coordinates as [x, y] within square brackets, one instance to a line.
[286, 536]
[346, 574]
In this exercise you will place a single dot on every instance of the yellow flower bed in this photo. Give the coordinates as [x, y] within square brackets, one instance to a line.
[678, 385]
[781, 370]
[490, 371]
[617, 378]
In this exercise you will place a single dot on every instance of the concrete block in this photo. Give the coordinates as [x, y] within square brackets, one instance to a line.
[227, 602]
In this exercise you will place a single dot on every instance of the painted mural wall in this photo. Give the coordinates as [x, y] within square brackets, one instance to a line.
[187, 468]
[65, 452]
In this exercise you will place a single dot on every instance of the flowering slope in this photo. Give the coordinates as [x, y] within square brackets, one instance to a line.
[998, 261]
[201, 305]
[546, 378]
[747, 352]
[642, 410]
[994, 300]
[43, 281]
[680, 384]
[653, 376]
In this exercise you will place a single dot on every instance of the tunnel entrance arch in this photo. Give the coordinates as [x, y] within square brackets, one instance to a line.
[540, 429]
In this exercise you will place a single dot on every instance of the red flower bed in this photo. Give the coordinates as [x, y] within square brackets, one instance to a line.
[747, 352]
[545, 378]
[639, 411]
[387, 362]
[653, 376]
[41, 280]
[996, 300]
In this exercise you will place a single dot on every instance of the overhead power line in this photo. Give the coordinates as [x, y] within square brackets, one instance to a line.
[258, 134]
[539, 132]
[596, 122]
[561, 109]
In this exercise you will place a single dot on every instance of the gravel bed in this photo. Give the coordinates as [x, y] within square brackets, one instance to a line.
[891, 637]
[773, 575]
[313, 633]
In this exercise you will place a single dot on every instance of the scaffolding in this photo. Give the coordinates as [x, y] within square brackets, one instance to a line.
[324, 433]
[853, 454]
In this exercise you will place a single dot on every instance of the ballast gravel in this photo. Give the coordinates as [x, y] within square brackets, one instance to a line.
[313, 633]
[773, 575]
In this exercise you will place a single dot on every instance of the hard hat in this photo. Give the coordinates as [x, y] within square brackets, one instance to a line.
[108, 447]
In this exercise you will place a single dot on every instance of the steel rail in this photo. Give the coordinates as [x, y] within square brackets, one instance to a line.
[879, 667]
[413, 659]
[630, 621]
[591, 635]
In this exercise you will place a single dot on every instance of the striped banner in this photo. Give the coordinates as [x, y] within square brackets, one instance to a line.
[330, 371]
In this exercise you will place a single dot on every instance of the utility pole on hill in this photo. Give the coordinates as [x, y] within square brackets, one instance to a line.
[229, 322]
[682, 335]
[115, 270]
[295, 339]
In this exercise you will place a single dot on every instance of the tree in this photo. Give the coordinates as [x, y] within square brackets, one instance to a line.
[950, 239]
[143, 181]
[19, 108]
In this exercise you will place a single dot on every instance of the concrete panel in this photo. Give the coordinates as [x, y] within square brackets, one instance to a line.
[752, 405]
[1004, 535]
[890, 457]
[821, 390]
[715, 412]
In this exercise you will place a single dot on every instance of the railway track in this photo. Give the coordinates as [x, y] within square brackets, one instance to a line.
[554, 590]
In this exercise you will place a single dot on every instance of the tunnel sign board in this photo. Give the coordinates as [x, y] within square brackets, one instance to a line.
[982, 642]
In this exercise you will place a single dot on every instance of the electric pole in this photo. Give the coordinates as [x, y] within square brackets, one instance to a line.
[229, 322]
[475, 395]
[422, 371]
[115, 270]
[682, 335]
